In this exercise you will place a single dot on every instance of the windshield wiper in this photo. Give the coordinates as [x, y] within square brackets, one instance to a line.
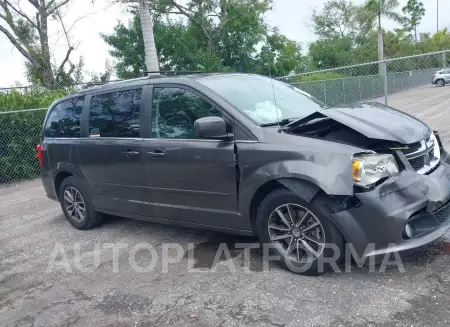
[282, 122]
[317, 116]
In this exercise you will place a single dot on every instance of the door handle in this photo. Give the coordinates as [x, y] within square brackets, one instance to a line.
[156, 153]
[130, 153]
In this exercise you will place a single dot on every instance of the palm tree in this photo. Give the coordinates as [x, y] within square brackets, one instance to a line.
[379, 9]
[151, 57]
[146, 17]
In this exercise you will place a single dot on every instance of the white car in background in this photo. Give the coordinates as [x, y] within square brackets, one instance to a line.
[441, 77]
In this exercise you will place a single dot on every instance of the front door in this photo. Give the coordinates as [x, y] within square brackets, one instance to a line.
[188, 179]
[111, 156]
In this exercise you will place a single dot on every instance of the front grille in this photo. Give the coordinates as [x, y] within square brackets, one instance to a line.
[424, 222]
[421, 161]
[417, 163]
[443, 215]
[413, 148]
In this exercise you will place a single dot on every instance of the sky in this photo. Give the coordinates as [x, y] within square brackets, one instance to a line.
[292, 17]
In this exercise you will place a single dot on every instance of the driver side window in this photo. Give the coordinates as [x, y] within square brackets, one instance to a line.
[174, 111]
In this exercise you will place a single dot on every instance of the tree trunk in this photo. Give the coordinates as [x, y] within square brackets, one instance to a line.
[415, 32]
[151, 57]
[47, 70]
[380, 47]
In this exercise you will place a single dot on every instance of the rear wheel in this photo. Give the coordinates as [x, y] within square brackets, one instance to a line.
[76, 204]
[300, 233]
[440, 83]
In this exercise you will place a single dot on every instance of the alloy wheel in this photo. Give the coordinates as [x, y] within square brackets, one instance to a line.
[74, 204]
[440, 83]
[297, 233]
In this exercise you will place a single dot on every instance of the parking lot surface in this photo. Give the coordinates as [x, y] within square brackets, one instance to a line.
[428, 103]
[38, 287]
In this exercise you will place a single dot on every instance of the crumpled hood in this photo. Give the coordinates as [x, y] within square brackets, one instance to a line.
[380, 122]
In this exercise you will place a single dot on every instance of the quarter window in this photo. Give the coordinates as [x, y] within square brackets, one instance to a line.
[174, 111]
[115, 114]
[64, 119]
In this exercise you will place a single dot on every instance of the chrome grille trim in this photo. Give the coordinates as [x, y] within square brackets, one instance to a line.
[427, 148]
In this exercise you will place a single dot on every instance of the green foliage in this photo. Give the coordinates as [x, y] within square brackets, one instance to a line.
[319, 77]
[229, 43]
[30, 99]
[19, 131]
[383, 8]
[279, 56]
[19, 134]
[330, 53]
[414, 12]
[341, 19]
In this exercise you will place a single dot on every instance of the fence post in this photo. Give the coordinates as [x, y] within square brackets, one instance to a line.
[343, 88]
[384, 63]
[444, 58]
[359, 82]
[373, 91]
[324, 92]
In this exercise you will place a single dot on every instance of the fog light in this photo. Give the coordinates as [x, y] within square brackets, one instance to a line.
[408, 232]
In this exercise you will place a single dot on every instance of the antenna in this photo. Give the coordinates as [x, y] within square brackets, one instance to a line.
[274, 97]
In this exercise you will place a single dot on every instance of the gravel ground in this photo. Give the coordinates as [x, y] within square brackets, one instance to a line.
[35, 292]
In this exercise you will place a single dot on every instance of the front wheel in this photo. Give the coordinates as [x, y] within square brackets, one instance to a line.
[299, 233]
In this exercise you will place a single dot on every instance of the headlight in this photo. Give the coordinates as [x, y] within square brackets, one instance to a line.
[370, 168]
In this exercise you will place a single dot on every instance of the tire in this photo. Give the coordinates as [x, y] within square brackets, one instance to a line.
[440, 83]
[299, 261]
[72, 188]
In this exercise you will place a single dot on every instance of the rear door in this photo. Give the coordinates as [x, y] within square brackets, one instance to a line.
[189, 179]
[111, 155]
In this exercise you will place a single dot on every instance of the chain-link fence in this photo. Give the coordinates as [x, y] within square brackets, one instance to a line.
[413, 84]
[19, 135]
[403, 83]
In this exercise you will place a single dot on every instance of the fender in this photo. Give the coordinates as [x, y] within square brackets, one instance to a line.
[331, 173]
[67, 167]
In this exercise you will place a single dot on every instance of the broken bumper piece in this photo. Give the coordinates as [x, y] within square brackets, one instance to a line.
[403, 214]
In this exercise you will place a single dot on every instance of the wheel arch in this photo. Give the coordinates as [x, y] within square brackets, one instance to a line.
[63, 170]
[62, 175]
[303, 188]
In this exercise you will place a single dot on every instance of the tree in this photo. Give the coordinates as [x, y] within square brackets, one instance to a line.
[332, 53]
[341, 18]
[380, 9]
[414, 11]
[29, 35]
[279, 56]
[146, 27]
[231, 29]
[178, 47]
[215, 36]
[151, 58]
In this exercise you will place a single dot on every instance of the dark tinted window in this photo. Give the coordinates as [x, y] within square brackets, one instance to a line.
[115, 114]
[64, 119]
[175, 110]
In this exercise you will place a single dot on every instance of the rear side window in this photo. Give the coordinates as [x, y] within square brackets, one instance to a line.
[115, 114]
[64, 119]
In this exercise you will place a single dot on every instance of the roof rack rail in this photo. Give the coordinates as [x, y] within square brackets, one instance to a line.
[171, 72]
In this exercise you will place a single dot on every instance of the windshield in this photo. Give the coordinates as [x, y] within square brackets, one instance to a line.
[262, 99]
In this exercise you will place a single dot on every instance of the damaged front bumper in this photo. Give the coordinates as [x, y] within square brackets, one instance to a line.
[377, 225]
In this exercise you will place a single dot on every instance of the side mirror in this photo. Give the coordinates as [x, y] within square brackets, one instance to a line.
[211, 128]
